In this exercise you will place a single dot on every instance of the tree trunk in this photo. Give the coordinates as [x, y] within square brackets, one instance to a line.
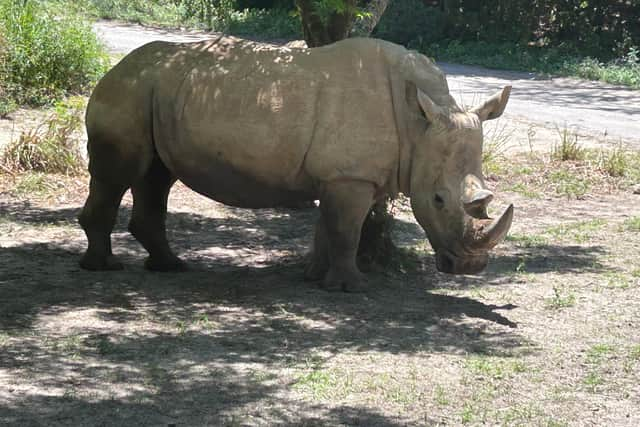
[373, 11]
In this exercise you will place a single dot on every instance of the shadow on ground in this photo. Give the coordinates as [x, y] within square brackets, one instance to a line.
[245, 287]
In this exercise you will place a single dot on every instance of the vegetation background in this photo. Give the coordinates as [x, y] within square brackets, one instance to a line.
[47, 48]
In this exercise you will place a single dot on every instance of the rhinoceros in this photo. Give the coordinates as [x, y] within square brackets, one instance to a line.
[253, 125]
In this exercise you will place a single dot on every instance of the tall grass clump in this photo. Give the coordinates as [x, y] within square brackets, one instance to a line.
[46, 55]
[52, 146]
[568, 148]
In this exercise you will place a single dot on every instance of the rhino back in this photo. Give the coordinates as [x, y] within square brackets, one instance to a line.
[229, 116]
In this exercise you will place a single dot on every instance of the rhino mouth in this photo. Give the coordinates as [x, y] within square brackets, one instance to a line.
[447, 262]
[481, 236]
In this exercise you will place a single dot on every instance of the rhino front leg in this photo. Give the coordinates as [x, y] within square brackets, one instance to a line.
[319, 259]
[344, 206]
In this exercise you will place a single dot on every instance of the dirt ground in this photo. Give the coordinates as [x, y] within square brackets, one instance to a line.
[548, 335]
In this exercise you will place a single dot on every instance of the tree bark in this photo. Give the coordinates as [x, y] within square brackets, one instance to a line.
[373, 11]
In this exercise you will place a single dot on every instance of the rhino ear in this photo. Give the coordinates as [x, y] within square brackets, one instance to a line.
[432, 111]
[494, 106]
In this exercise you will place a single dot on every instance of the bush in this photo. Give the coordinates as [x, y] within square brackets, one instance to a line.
[561, 60]
[274, 23]
[411, 22]
[46, 56]
[164, 12]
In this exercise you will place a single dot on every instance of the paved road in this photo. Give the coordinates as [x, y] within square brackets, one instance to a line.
[593, 109]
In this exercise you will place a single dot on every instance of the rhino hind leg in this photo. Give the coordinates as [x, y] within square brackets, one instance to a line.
[344, 206]
[148, 217]
[97, 218]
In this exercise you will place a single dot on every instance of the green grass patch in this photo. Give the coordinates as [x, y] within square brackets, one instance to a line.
[631, 224]
[318, 382]
[524, 190]
[592, 380]
[468, 414]
[634, 352]
[560, 300]
[569, 184]
[35, 183]
[527, 240]
[579, 232]
[493, 368]
[617, 280]
[598, 353]
[71, 345]
[440, 396]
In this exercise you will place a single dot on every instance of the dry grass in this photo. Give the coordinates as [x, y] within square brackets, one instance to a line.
[50, 147]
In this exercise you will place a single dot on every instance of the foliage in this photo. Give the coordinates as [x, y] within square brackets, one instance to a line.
[409, 22]
[594, 39]
[165, 12]
[273, 23]
[326, 21]
[46, 55]
[598, 28]
[552, 60]
[50, 147]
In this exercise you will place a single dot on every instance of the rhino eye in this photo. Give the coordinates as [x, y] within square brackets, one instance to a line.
[439, 201]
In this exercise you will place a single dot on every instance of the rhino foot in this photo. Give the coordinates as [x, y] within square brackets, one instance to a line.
[173, 264]
[100, 263]
[315, 270]
[352, 282]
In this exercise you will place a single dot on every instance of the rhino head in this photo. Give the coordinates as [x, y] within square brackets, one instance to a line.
[448, 195]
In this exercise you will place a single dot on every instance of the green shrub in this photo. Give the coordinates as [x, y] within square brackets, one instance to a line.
[164, 12]
[561, 60]
[410, 22]
[50, 147]
[46, 55]
[268, 23]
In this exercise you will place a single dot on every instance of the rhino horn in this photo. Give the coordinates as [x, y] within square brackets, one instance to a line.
[475, 198]
[484, 234]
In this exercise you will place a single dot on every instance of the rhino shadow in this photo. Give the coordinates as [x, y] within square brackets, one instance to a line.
[252, 253]
[231, 318]
[220, 397]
